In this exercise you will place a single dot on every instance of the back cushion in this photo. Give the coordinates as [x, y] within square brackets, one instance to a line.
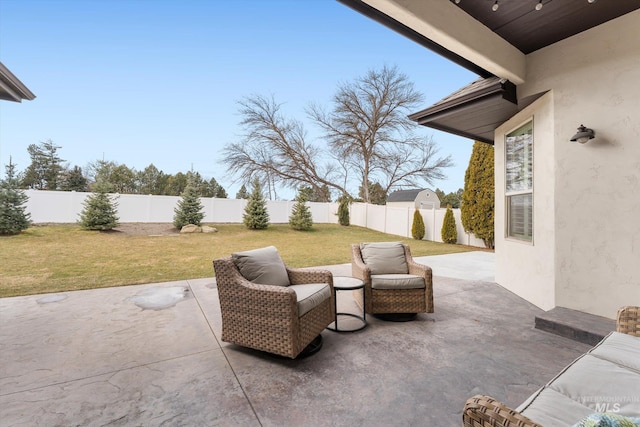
[384, 257]
[263, 266]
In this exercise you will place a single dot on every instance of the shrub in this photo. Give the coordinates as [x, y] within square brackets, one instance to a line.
[255, 215]
[449, 231]
[13, 218]
[189, 209]
[417, 228]
[478, 198]
[343, 210]
[100, 211]
[301, 218]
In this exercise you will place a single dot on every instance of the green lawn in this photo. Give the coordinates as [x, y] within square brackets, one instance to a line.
[56, 258]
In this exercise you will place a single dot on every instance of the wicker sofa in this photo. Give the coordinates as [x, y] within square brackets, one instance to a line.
[268, 306]
[605, 379]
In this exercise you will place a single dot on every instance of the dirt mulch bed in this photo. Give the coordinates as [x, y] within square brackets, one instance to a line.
[147, 229]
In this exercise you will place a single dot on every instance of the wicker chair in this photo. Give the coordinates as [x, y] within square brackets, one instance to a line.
[485, 411]
[265, 317]
[392, 301]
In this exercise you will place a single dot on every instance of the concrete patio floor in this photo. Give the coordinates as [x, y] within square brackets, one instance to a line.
[96, 358]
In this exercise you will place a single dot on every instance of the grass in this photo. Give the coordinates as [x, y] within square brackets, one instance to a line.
[56, 258]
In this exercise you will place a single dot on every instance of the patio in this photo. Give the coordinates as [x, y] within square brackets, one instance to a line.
[96, 358]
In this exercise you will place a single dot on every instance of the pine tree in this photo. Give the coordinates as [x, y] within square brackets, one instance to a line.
[301, 218]
[100, 211]
[449, 232]
[343, 210]
[73, 180]
[478, 198]
[189, 209]
[242, 193]
[255, 215]
[417, 228]
[45, 167]
[13, 218]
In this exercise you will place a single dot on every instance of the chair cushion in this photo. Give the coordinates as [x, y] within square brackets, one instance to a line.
[263, 266]
[550, 408]
[310, 295]
[384, 257]
[396, 281]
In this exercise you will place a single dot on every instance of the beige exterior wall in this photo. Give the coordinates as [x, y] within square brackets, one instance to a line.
[586, 249]
[587, 209]
[527, 268]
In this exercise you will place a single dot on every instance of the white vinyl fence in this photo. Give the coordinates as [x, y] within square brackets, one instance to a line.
[65, 207]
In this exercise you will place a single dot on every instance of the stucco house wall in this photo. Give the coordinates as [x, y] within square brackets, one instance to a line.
[587, 209]
[527, 268]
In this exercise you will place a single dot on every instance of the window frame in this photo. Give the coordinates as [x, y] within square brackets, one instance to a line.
[529, 181]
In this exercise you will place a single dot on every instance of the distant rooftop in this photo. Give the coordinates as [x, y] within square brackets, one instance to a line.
[404, 195]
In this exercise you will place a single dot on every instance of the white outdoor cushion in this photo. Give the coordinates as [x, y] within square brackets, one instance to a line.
[310, 295]
[384, 257]
[622, 349]
[604, 379]
[593, 382]
[397, 281]
[263, 266]
[553, 409]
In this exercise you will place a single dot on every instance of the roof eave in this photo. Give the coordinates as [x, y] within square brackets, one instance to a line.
[11, 88]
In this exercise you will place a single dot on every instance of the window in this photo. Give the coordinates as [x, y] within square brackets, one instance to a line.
[519, 182]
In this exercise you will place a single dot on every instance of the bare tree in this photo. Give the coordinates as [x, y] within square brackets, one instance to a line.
[275, 150]
[368, 132]
[368, 127]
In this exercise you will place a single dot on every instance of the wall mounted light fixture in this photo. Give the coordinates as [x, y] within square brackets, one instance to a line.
[584, 134]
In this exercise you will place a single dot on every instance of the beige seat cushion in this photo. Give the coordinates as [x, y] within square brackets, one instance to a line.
[310, 295]
[263, 266]
[384, 257]
[396, 281]
[604, 379]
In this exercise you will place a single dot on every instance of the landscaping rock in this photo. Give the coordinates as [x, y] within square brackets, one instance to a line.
[190, 228]
[207, 229]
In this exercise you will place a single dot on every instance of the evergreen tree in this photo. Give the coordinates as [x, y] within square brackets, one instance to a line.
[221, 193]
[100, 210]
[255, 215]
[176, 184]
[45, 167]
[73, 180]
[189, 209]
[449, 232]
[478, 198]
[417, 228]
[216, 189]
[242, 193]
[377, 194]
[151, 180]
[13, 218]
[343, 210]
[301, 218]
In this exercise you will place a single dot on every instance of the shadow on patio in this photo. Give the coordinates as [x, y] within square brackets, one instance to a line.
[95, 358]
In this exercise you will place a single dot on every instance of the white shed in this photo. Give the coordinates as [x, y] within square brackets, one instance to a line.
[419, 198]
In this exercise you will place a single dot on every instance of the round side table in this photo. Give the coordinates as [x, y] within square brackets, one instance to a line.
[346, 283]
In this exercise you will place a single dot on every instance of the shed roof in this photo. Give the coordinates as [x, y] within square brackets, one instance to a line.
[404, 195]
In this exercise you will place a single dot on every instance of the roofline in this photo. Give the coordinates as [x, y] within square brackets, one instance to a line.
[15, 89]
[504, 88]
[386, 20]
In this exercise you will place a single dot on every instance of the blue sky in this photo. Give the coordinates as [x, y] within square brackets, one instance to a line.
[157, 81]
